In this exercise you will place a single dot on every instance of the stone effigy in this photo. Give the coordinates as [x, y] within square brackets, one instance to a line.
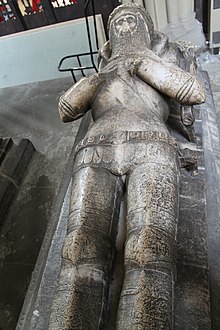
[144, 82]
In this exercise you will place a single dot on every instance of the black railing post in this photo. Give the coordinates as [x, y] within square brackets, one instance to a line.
[88, 33]
[95, 25]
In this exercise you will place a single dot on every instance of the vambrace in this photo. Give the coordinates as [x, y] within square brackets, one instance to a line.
[78, 99]
[171, 80]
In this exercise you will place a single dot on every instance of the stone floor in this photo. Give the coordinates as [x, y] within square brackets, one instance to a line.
[30, 111]
[211, 64]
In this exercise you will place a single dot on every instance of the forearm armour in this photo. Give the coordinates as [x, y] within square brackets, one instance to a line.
[171, 80]
[78, 99]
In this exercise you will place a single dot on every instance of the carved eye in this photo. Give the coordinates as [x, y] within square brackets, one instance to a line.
[120, 21]
[130, 19]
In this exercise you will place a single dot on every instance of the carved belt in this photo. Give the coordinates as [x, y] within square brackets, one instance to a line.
[127, 136]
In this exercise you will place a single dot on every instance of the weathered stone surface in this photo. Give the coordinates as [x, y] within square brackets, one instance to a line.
[191, 279]
[145, 158]
[29, 111]
[5, 145]
[128, 148]
[37, 305]
[211, 142]
[192, 298]
[15, 159]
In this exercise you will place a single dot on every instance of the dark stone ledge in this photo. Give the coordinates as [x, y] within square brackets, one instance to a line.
[14, 160]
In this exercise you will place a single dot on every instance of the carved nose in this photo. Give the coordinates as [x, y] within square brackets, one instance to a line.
[125, 25]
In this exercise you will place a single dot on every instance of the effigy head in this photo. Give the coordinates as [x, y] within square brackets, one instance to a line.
[131, 26]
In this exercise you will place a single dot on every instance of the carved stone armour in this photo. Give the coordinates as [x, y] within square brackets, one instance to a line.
[128, 149]
[120, 159]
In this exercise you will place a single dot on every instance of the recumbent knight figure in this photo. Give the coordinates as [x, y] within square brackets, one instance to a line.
[127, 150]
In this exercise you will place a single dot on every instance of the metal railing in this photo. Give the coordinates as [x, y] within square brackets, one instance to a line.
[20, 15]
[92, 53]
